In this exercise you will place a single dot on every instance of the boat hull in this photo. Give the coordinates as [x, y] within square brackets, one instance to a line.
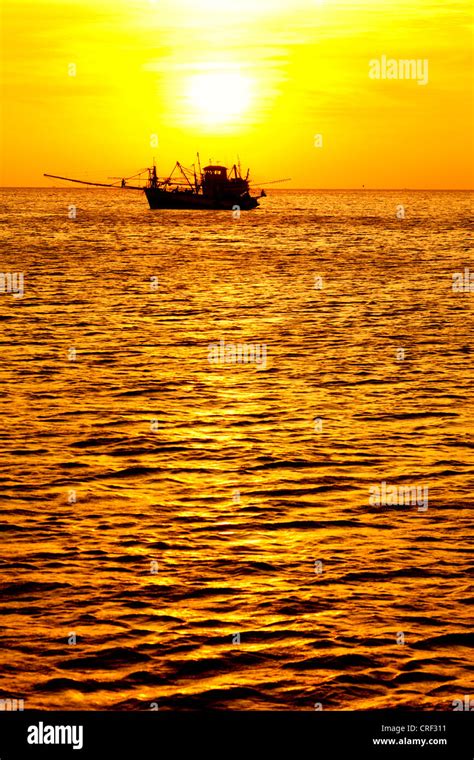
[183, 200]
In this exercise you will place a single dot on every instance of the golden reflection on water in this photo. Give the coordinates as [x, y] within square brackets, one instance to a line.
[235, 495]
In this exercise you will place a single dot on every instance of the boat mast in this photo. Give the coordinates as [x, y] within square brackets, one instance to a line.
[183, 172]
[152, 178]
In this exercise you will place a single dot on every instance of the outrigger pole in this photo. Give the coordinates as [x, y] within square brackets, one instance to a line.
[271, 182]
[96, 184]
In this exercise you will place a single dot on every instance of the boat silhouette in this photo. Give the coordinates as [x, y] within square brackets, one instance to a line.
[212, 188]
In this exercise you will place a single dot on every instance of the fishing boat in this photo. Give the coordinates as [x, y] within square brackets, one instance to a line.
[214, 187]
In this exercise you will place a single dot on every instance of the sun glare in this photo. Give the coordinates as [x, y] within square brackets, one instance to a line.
[219, 98]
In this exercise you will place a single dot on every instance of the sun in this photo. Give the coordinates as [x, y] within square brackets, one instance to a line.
[219, 98]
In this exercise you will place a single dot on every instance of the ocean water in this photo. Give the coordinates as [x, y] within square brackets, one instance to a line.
[186, 533]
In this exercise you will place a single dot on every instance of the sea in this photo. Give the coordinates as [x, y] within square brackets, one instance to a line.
[236, 452]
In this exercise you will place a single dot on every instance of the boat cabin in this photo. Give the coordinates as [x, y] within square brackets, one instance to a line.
[214, 180]
[216, 172]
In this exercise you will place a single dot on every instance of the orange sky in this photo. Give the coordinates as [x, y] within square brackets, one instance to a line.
[254, 78]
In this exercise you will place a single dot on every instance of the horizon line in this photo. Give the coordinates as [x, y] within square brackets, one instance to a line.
[277, 189]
